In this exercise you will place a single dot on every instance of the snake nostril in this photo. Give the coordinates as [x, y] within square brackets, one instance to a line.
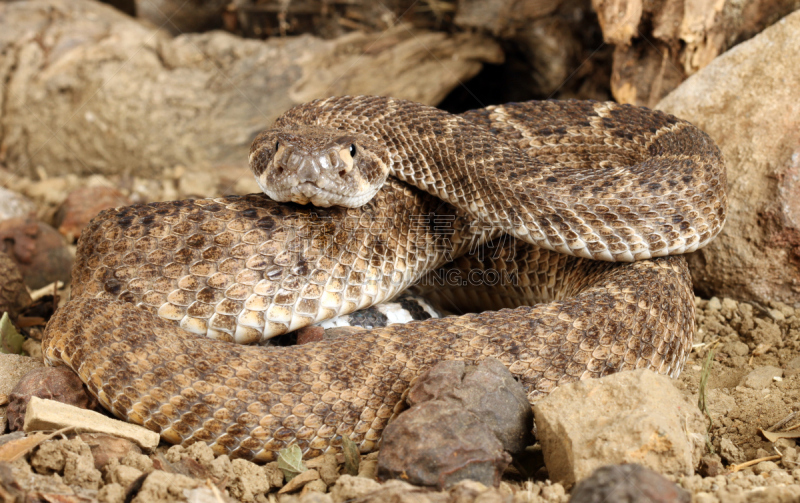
[342, 173]
[279, 170]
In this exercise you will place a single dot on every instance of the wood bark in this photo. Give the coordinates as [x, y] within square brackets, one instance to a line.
[86, 89]
[658, 44]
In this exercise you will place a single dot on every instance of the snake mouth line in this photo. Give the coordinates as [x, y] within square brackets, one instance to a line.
[310, 192]
[305, 193]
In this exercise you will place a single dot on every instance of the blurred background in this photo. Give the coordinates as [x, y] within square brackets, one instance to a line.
[110, 103]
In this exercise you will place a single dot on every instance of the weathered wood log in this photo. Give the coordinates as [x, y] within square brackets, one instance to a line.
[90, 90]
[657, 45]
[554, 48]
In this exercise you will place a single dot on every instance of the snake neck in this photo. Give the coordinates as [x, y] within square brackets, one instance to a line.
[656, 200]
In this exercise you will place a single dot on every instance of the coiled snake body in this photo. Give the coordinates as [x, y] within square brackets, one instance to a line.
[609, 182]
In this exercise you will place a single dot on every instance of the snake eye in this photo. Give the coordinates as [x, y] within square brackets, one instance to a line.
[352, 150]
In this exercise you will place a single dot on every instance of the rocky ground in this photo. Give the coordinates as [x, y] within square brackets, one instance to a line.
[753, 387]
[145, 116]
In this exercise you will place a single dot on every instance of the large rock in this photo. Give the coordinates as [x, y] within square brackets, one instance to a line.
[629, 417]
[462, 419]
[88, 89]
[748, 101]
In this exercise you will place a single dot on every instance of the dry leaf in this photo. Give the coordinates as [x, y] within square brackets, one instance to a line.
[772, 436]
[12, 451]
[352, 457]
[10, 340]
[290, 461]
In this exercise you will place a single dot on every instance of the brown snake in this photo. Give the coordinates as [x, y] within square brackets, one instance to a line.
[609, 182]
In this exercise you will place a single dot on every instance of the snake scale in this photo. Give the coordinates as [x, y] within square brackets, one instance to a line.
[601, 198]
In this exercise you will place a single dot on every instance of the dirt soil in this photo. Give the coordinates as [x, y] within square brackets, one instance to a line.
[753, 385]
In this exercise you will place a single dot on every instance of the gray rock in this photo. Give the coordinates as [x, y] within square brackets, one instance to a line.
[629, 483]
[630, 417]
[761, 377]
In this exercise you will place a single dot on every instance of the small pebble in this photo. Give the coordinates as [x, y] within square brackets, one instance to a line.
[14, 205]
[631, 483]
[711, 466]
[764, 467]
[40, 252]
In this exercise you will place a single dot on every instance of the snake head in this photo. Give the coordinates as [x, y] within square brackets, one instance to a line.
[318, 165]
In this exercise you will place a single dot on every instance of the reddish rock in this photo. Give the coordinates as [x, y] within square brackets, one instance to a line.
[437, 444]
[82, 205]
[462, 422]
[106, 447]
[38, 250]
[488, 390]
[631, 483]
[54, 383]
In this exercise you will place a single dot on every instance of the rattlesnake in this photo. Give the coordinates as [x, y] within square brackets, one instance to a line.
[608, 182]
